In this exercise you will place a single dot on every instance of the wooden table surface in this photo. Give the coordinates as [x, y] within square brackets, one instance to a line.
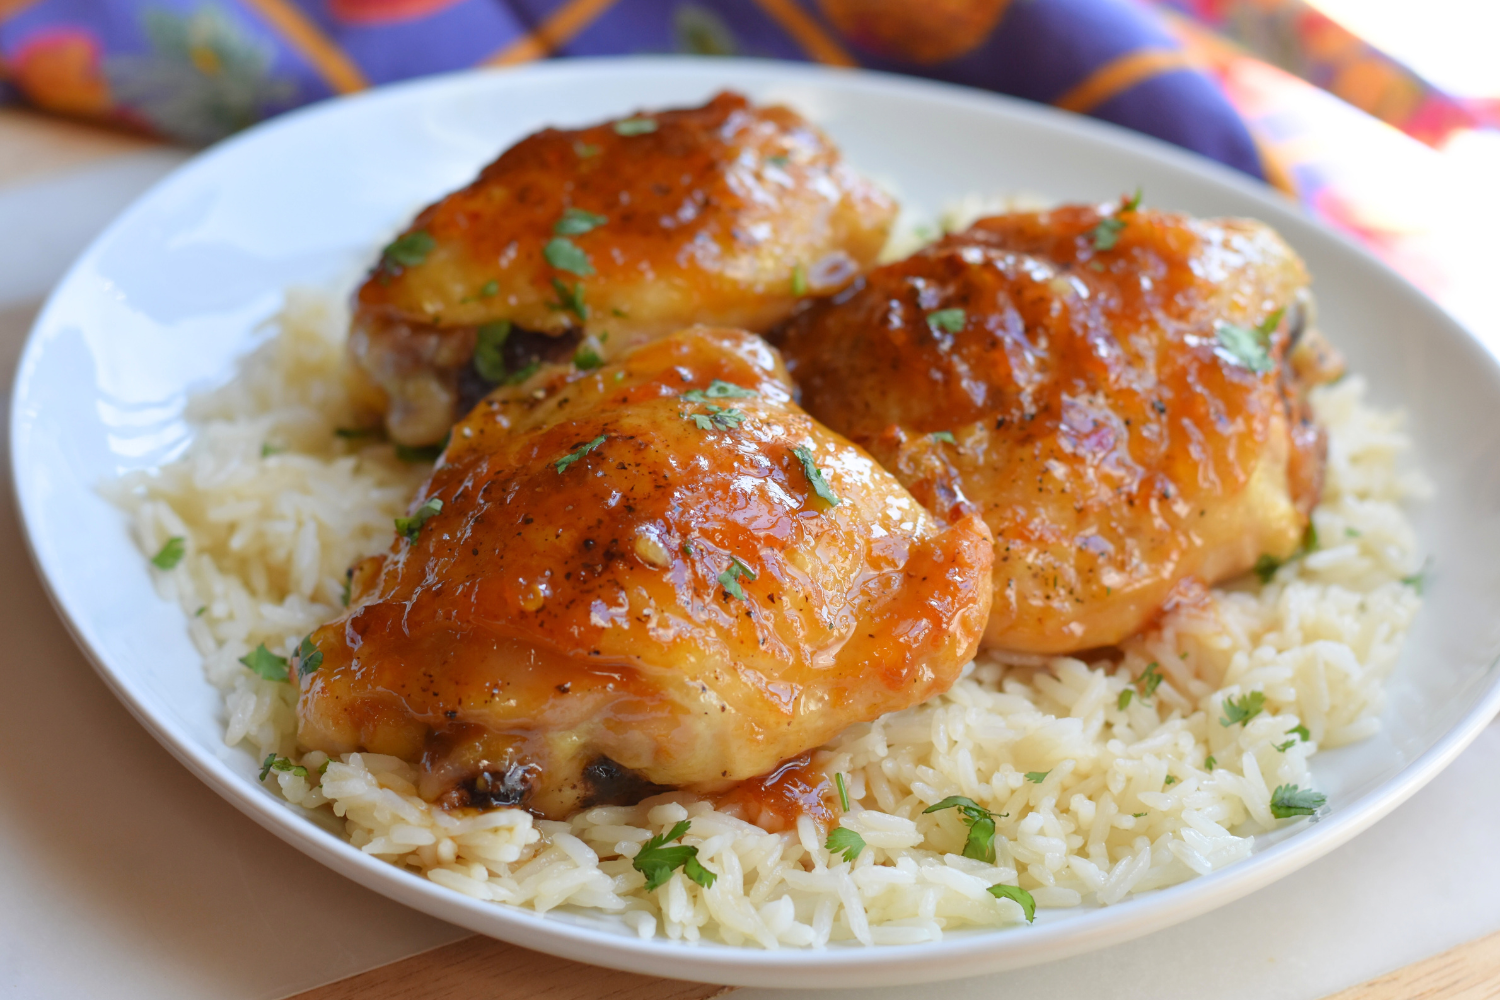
[34, 147]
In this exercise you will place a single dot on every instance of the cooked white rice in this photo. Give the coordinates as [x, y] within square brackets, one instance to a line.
[274, 506]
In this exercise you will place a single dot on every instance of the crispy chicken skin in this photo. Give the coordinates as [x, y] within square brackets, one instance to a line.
[723, 214]
[631, 585]
[1114, 443]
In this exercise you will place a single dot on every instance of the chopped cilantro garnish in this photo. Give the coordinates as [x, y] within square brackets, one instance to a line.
[1149, 680]
[948, 320]
[799, 280]
[635, 126]
[265, 663]
[309, 657]
[171, 553]
[1266, 567]
[1351, 533]
[1242, 709]
[563, 254]
[522, 374]
[657, 861]
[275, 763]
[716, 419]
[730, 578]
[199, 613]
[944, 436]
[577, 453]
[1019, 895]
[344, 591]
[1249, 347]
[980, 844]
[570, 300]
[586, 357]
[489, 289]
[268, 449]
[1037, 777]
[407, 251]
[1170, 780]
[1107, 233]
[838, 780]
[1289, 800]
[421, 452]
[1137, 815]
[1301, 733]
[1283, 747]
[489, 363]
[842, 840]
[780, 160]
[586, 149]
[355, 433]
[718, 389]
[410, 527]
[1417, 581]
[575, 221]
[815, 475]
[1124, 698]
[1209, 763]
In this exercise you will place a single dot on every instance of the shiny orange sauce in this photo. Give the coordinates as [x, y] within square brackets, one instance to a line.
[774, 801]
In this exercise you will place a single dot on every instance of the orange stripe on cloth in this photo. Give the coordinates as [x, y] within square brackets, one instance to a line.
[1119, 75]
[806, 32]
[336, 68]
[557, 31]
[10, 8]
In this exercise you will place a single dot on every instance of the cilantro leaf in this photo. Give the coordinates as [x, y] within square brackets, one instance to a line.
[842, 840]
[1107, 233]
[949, 320]
[570, 300]
[1171, 779]
[780, 160]
[1124, 698]
[1249, 347]
[657, 861]
[1209, 763]
[945, 437]
[815, 475]
[265, 663]
[489, 363]
[275, 763]
[1015, 892]
[980, 844]
[586, 357]
[344, 591]
[268, 449]
[565, 255]
[1037, 777]
[422, 452]
[1289, 800]
[730, 578]
[799, 280]
[717, 418]
[718, 389]
[309, 657]
[355, 433]
[489, 289]
[1149, 680]
[410, 527]
[1417, 581]
[408, 250]
[1266, 567]
[838, 779]
[171, 553]
[577, 453]
[585, 150]
[1242, 709]
[1283, 747]
[575, 222]
[1301, 733]
[635, 126]
[1132, 203]
[517, 377]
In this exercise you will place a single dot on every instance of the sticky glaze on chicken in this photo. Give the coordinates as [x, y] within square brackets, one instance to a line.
[722, 215]
[634, 581]
[1088, 382]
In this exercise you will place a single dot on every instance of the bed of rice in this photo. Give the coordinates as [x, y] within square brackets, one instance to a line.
[274, 505]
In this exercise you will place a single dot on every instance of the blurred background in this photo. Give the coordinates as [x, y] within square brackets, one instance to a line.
[1381, 117]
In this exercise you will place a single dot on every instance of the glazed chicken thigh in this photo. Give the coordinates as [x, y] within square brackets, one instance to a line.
[657, 573]
[598, 239]
[1110, 388]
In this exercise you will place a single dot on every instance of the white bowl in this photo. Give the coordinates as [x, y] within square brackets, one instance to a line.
[173, 292]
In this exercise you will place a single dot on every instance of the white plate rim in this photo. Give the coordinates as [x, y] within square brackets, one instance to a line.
[834, 967]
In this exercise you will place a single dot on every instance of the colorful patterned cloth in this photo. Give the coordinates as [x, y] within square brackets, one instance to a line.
[1192, 72]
